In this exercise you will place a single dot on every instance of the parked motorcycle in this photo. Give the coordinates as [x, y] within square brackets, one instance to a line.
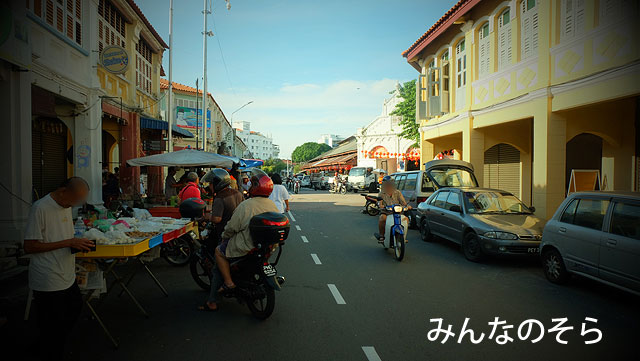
[254, 275]
[178, 252]
[396, 226]
[371, 205]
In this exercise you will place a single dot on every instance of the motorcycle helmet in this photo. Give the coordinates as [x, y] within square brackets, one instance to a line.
[218, 178]
[192, 208]
[261, 184]
[387, 178]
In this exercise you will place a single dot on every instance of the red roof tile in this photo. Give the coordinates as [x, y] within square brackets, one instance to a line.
[135, 7]
[456, 11]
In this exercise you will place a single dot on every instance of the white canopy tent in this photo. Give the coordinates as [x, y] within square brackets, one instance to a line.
[185, 158]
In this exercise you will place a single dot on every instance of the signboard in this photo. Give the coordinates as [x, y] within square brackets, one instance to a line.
[584, 180]
[114, 59]
[186, 118]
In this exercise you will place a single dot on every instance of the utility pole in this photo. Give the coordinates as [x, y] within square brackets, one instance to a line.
[197, 109]
[205, 34]
[169, 96]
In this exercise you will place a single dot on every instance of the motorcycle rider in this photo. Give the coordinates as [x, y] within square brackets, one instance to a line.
[390, 196]
[225, 202]
[236, 239]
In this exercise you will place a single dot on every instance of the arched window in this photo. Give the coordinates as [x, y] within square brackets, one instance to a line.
[484, 51]
[572, 17]
[461, 73]
[504, 39]
[529, 23]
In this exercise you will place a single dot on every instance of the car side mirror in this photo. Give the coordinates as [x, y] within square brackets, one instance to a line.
[455, 208]
[532, 209]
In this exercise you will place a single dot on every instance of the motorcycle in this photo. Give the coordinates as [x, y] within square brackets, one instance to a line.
[396, 226]
[179, 251]
[371, 205]
[296, 186]
[254, 275]
[341, 187]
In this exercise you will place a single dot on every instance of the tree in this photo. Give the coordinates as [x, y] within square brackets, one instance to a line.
[407, 110]
[308, 151]
[274, 165]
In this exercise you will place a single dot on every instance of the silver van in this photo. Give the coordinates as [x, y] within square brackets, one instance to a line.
[416, 186]
[596, 235]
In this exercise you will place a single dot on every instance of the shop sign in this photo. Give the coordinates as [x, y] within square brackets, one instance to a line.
[114, 59]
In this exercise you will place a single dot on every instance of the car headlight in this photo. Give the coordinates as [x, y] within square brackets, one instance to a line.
[397, 209]
[501, 235]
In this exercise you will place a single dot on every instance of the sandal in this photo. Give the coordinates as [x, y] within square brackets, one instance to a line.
[379, 237]
[205, 308]
[226, 289]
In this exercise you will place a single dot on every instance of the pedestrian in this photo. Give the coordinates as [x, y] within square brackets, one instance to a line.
[49, 238]
[192, 189]
[170, 184]
[280, 194]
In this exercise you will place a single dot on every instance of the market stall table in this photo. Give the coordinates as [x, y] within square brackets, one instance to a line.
[108, 256]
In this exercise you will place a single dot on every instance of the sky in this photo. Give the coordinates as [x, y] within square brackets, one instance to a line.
[311, 67]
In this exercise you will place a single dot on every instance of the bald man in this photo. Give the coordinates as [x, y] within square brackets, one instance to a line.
[49, 237]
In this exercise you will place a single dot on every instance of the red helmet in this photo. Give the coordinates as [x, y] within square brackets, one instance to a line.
[261, 184]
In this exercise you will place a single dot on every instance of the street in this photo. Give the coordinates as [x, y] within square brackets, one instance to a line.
[377, 307]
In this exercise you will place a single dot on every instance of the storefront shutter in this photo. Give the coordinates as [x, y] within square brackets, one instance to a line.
[49, 166]
[502, 168]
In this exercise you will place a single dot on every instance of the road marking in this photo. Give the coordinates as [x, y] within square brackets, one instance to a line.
[304, 239]
[291, 216]
[298, 228]
[336, 294]
[371, 353]
[315, 258]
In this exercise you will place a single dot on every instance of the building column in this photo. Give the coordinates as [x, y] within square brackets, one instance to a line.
[549, 160]
[87, 148]
[473, 150]
[129, 145]
[427, 151]
[15, 150]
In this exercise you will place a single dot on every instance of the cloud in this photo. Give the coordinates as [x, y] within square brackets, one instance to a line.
[296, 113]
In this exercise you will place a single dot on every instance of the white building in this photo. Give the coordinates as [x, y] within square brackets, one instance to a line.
[259, 146]
[331, 140]
[380, 144]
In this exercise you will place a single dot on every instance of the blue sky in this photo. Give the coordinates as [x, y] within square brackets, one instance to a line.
[311, 67]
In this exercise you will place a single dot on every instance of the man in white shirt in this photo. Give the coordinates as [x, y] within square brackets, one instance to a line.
[49, 237]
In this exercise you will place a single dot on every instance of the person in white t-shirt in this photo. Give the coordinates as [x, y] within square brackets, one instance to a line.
[280, 194]
[49, 238]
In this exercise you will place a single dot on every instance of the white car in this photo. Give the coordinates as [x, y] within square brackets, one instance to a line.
[305, 182]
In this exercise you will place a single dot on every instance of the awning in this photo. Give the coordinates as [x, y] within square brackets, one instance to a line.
[150, 123]
[339, 160]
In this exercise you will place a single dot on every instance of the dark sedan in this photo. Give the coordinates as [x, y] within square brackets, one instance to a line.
[484, 221]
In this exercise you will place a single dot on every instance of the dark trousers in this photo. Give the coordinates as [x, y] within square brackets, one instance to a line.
[57, 312]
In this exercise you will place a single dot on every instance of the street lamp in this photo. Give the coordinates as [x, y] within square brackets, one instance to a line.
[233, 129]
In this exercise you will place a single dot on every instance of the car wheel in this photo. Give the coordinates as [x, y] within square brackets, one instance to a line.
[553, 267]
[472, 248]
[425, 232]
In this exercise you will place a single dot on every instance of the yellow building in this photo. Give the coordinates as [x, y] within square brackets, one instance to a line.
[529, 90]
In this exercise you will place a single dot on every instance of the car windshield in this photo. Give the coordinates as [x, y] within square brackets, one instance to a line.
[494, 202]
[354, 172]
[452, 177]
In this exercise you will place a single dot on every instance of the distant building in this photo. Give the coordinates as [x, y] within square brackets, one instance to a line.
[259, 146]
[331, 140]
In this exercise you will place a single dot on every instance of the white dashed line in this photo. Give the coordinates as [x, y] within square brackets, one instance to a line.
[336, 294]
[291, 216]
[304, 239]
[298, 228]
[371, 353]
[315, 258]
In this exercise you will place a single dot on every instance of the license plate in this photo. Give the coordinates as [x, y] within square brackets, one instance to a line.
[532, 249]
[269, 270]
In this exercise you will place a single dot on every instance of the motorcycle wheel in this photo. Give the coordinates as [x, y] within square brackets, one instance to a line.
[263, 308]
[178, 251]
[398, 247]
[199, 274]
[343, 190]
[372, 210]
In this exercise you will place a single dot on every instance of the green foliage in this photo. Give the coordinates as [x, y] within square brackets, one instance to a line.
[308, 151]
[407, 110]
[273, 165]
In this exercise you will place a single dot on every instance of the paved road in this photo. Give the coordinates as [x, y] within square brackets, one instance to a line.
[348, 299]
